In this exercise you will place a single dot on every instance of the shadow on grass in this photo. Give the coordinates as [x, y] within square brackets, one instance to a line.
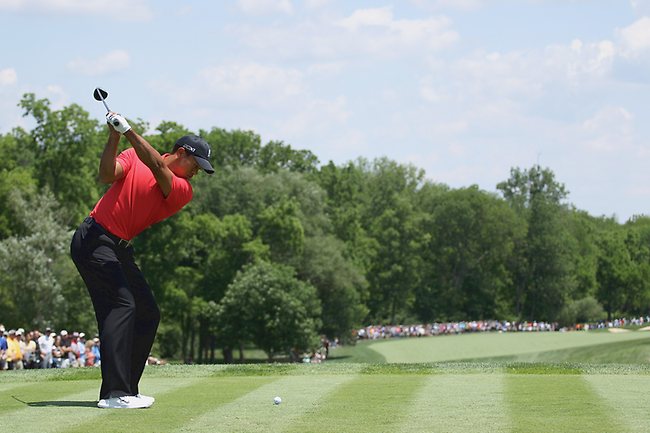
[62, 403]
[57, 403]
[338, 358]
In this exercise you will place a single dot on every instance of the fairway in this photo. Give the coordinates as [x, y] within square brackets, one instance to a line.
[496, 392]
[342, 398]
[536, 346]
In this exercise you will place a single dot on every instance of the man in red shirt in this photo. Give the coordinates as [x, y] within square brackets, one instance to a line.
[146, 188]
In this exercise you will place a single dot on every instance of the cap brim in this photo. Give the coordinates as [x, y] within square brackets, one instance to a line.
[204, 164]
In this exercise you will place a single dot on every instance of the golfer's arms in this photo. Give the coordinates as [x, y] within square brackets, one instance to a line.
[152, 159]
[109, 170]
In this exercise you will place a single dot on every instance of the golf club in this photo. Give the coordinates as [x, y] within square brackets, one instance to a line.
[100, 95]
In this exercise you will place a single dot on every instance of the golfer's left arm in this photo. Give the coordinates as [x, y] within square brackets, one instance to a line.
[147, 154]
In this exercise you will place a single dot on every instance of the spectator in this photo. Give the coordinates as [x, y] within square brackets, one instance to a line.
[45, 345]
[67, 357]
[57, 352]
[76, 351]
[89, 355]
[30, 351]
[97, 352]
[3, 348]
[81, 345]
[14, 355]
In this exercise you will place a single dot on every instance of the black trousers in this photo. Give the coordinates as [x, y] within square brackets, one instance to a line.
[125, 308]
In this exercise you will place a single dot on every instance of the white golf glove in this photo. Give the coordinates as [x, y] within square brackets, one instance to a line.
[118, 122]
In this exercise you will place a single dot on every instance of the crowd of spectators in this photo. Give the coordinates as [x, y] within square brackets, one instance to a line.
[20, 349]
[374, 332]
[23, 350]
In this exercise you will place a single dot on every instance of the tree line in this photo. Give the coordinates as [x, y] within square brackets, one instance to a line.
[278, 248]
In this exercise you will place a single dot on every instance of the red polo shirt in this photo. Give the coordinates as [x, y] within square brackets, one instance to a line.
[135, 202]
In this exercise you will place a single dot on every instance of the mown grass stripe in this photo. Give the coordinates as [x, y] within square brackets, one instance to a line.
[627, 398]
[49, 407]
[510, 346]
[10, 387]
[556, 403]
[255, 411]
[178, 402]
[457, 403]
[368, 403]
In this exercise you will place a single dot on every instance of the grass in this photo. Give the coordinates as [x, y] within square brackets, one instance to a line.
[592, 346]
[585, 382]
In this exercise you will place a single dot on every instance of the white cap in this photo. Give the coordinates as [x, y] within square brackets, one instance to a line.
[63, 333]
[82, 335]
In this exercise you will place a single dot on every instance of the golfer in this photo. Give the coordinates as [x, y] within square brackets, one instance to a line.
[146, 188]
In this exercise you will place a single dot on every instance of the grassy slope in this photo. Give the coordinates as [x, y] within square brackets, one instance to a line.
[630, 347]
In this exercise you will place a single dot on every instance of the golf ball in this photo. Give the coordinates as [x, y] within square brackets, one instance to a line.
[277, 400]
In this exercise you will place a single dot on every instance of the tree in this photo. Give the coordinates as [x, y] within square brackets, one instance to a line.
[393, 219]
[16, 174]
[268, 306]
[276, 155]
[471, 238]
[542, 264]
[281, 229]
[342, 288]
[614, 268]
[35, 264]
[67, 145]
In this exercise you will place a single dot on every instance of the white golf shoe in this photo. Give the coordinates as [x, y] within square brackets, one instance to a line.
[146, 398]
[126, 402]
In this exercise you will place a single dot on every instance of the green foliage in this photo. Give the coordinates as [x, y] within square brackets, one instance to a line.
[280, 228]
[268, 306]
[472, 237]
[585, 310]
[342, 288]
[35, 271]
[341, 245]
[543, 264]
[66, 145]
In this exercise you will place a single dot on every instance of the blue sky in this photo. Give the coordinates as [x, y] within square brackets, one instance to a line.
[464, 89]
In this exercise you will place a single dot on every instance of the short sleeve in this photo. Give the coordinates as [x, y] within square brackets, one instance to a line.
[181, 193]
[126, 159]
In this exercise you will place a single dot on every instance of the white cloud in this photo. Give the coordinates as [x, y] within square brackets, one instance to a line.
[635, 38]
[377, 30]
[313, 4]
[316, 117]
[57, 96]
[641, 7]
[448, 4]
[121, 10]
[579, 60]
[611, 129]
[363, 35]
[515, 79]
[258, 7]
[8, 77]
[252, 83]
[110, 62]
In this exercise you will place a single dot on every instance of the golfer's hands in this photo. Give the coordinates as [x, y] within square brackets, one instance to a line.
[117, 122]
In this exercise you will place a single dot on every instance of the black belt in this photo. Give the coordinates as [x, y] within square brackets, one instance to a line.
[119, 242]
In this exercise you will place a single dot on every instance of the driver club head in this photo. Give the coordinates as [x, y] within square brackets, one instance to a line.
[100, 95]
